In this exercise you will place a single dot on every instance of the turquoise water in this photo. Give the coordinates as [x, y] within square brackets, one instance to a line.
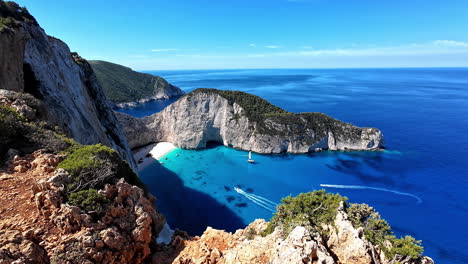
[422, 113]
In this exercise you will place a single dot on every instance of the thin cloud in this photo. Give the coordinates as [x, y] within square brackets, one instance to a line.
[272, 46]
[252, 45]
[434, 47]
[452, 43]
[163, 50]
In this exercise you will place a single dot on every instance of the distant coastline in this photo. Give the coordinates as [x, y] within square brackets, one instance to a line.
[142, 101]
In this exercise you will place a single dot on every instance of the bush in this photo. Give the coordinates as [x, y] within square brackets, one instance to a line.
[93, 166]
[251, 234]
[407, 247]
[307, 209]
[89, 200]
[378, 232]
[16, 132]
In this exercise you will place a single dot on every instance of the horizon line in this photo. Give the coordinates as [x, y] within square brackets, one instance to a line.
[314, 68]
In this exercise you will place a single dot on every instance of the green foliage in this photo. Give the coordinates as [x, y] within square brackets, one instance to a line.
[307, 209]
[407, 246]
[84, 157]
[122, 84]
[89, 200]
[378, 232]
[251, 234]
[16, 132]
[93, 166]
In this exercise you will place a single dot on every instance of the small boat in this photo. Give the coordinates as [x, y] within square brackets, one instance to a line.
[250, 158]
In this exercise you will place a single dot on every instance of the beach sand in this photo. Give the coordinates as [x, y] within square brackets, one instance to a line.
[155, 151]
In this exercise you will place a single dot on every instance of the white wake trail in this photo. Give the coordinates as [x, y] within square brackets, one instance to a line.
[258, 200]
[250, 197]
[370, 188]
[264, 199]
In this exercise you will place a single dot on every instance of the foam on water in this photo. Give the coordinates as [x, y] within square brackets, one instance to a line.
[370, 188]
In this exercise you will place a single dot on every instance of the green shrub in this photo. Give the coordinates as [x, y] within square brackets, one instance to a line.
[407, 246]
[378, 232]
[93, 166]
[88, 200]
[251, 234]
[307, 209]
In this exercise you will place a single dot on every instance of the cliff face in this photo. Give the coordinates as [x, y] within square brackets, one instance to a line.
[209, 115]
[125, 87]
[32, 62]
[342, 244]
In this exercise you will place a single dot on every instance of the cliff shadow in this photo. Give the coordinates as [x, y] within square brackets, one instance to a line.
[186, 208]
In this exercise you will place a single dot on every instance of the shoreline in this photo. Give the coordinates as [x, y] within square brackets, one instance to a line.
[146, 155]
[142, 101]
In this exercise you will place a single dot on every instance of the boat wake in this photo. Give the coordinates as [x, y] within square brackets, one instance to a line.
[370, 188]
[258, 200]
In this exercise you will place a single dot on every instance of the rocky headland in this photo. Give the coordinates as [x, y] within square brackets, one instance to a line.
[127, 88]
[245, 121]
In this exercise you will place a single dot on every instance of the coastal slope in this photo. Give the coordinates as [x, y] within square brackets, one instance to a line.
[63, 82]
[245, 121]
[125, 87]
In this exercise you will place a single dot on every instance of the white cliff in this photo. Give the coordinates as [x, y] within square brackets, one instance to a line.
[241, 120]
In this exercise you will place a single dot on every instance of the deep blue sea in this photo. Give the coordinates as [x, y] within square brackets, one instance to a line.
[423, 114]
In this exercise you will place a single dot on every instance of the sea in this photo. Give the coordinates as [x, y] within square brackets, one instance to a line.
[419, 184]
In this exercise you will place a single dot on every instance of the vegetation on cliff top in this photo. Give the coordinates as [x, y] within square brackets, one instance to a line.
[89, 200]
[122, 84]
[315, 209]
[11, 14]
[261, 111]
[25, 136]
[93, 166]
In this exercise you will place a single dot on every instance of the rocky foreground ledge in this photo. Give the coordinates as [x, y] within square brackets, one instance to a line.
[245, 121]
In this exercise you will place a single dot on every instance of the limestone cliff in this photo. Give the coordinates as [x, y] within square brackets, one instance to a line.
[35, 63]
[125, 87]
[342, 244]
[245, 121]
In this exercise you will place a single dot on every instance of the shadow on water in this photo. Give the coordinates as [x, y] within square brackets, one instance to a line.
[186, 208]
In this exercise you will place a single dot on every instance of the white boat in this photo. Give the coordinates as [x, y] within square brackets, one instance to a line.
[250, 158]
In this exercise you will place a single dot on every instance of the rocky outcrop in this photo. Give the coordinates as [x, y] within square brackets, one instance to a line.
[247, 122]
[43, 66]
[162, 91]
[127, 88]
[343, 244]
[38, 226]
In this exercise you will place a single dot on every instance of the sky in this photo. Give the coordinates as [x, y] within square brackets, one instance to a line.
[236, 34]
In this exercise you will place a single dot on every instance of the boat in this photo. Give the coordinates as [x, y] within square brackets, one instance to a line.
[250, 158]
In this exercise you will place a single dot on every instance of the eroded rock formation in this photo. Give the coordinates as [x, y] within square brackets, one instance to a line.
[245, 122]
[343, 244]
[38, 226]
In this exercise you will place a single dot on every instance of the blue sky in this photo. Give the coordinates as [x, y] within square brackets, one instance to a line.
[225, 34]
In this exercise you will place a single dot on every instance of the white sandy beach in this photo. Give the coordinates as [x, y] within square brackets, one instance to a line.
[156, 151]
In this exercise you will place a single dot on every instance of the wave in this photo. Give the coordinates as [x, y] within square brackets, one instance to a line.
[370, 188]
[258, 200]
